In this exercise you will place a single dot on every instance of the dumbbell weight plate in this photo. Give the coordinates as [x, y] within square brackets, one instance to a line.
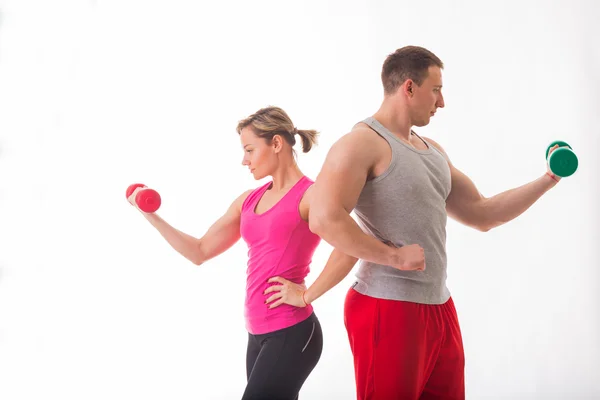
[563, 162]
[148, 200]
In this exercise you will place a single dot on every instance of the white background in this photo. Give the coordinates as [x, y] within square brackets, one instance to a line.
[95, 95]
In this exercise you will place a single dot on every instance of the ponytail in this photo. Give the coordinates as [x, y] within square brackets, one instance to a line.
[309, 138]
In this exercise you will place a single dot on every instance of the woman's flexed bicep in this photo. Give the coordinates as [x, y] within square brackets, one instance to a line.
[224, 233]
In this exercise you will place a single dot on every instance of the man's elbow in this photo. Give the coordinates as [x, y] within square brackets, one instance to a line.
[488, 225]
[484, 219]
[321, 223]
[484, 227]
[317, 224]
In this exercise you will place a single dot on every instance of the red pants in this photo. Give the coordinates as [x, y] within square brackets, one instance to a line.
[403, 350]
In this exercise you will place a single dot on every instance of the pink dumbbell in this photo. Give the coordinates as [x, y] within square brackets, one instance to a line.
[148, 200]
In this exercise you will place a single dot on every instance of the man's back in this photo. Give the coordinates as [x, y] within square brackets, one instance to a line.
[406, 203]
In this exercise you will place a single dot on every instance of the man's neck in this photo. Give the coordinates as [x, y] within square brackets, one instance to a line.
[395, 121]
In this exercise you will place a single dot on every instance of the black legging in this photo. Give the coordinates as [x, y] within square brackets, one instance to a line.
[278, 363]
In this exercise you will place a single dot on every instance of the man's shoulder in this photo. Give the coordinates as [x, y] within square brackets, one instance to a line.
[360, 138]
[433, 142]
[362, 130]
[437, 146]
[356, 151]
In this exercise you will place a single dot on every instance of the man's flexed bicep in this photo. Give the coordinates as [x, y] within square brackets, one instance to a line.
[342, 178]
[335, 194]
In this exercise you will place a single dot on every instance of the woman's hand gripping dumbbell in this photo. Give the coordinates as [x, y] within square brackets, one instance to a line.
[144, 199]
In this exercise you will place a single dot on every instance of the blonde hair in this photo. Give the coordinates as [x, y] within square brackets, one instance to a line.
[270, 121]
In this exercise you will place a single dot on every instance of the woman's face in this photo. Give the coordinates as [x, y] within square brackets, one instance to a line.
[259, 156]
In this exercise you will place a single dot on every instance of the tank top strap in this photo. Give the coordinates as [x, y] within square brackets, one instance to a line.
[295, 194]
[392, 139]
[380, 129]
[255, 196]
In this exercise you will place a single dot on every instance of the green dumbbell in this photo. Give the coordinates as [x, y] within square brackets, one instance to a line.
[563, 162]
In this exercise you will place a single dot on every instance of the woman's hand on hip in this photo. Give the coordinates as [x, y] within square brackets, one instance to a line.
[286, 292]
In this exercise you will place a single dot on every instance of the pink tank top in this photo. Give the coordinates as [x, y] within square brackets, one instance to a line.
[279, 244]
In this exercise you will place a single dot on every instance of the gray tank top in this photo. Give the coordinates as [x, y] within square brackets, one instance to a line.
[406, 205]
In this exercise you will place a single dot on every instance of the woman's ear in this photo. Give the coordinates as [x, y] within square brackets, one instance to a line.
[277, 143]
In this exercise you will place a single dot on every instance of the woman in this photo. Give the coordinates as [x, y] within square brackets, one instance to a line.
[284, 341]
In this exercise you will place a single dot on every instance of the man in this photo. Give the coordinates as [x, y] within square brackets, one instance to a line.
[401, 322]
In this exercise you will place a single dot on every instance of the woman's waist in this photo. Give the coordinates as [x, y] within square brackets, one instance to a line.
[259, 317]
[257, 276]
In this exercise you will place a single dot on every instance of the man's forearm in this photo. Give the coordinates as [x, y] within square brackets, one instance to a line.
[506, 206]
[338, 266]
[343, 233]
